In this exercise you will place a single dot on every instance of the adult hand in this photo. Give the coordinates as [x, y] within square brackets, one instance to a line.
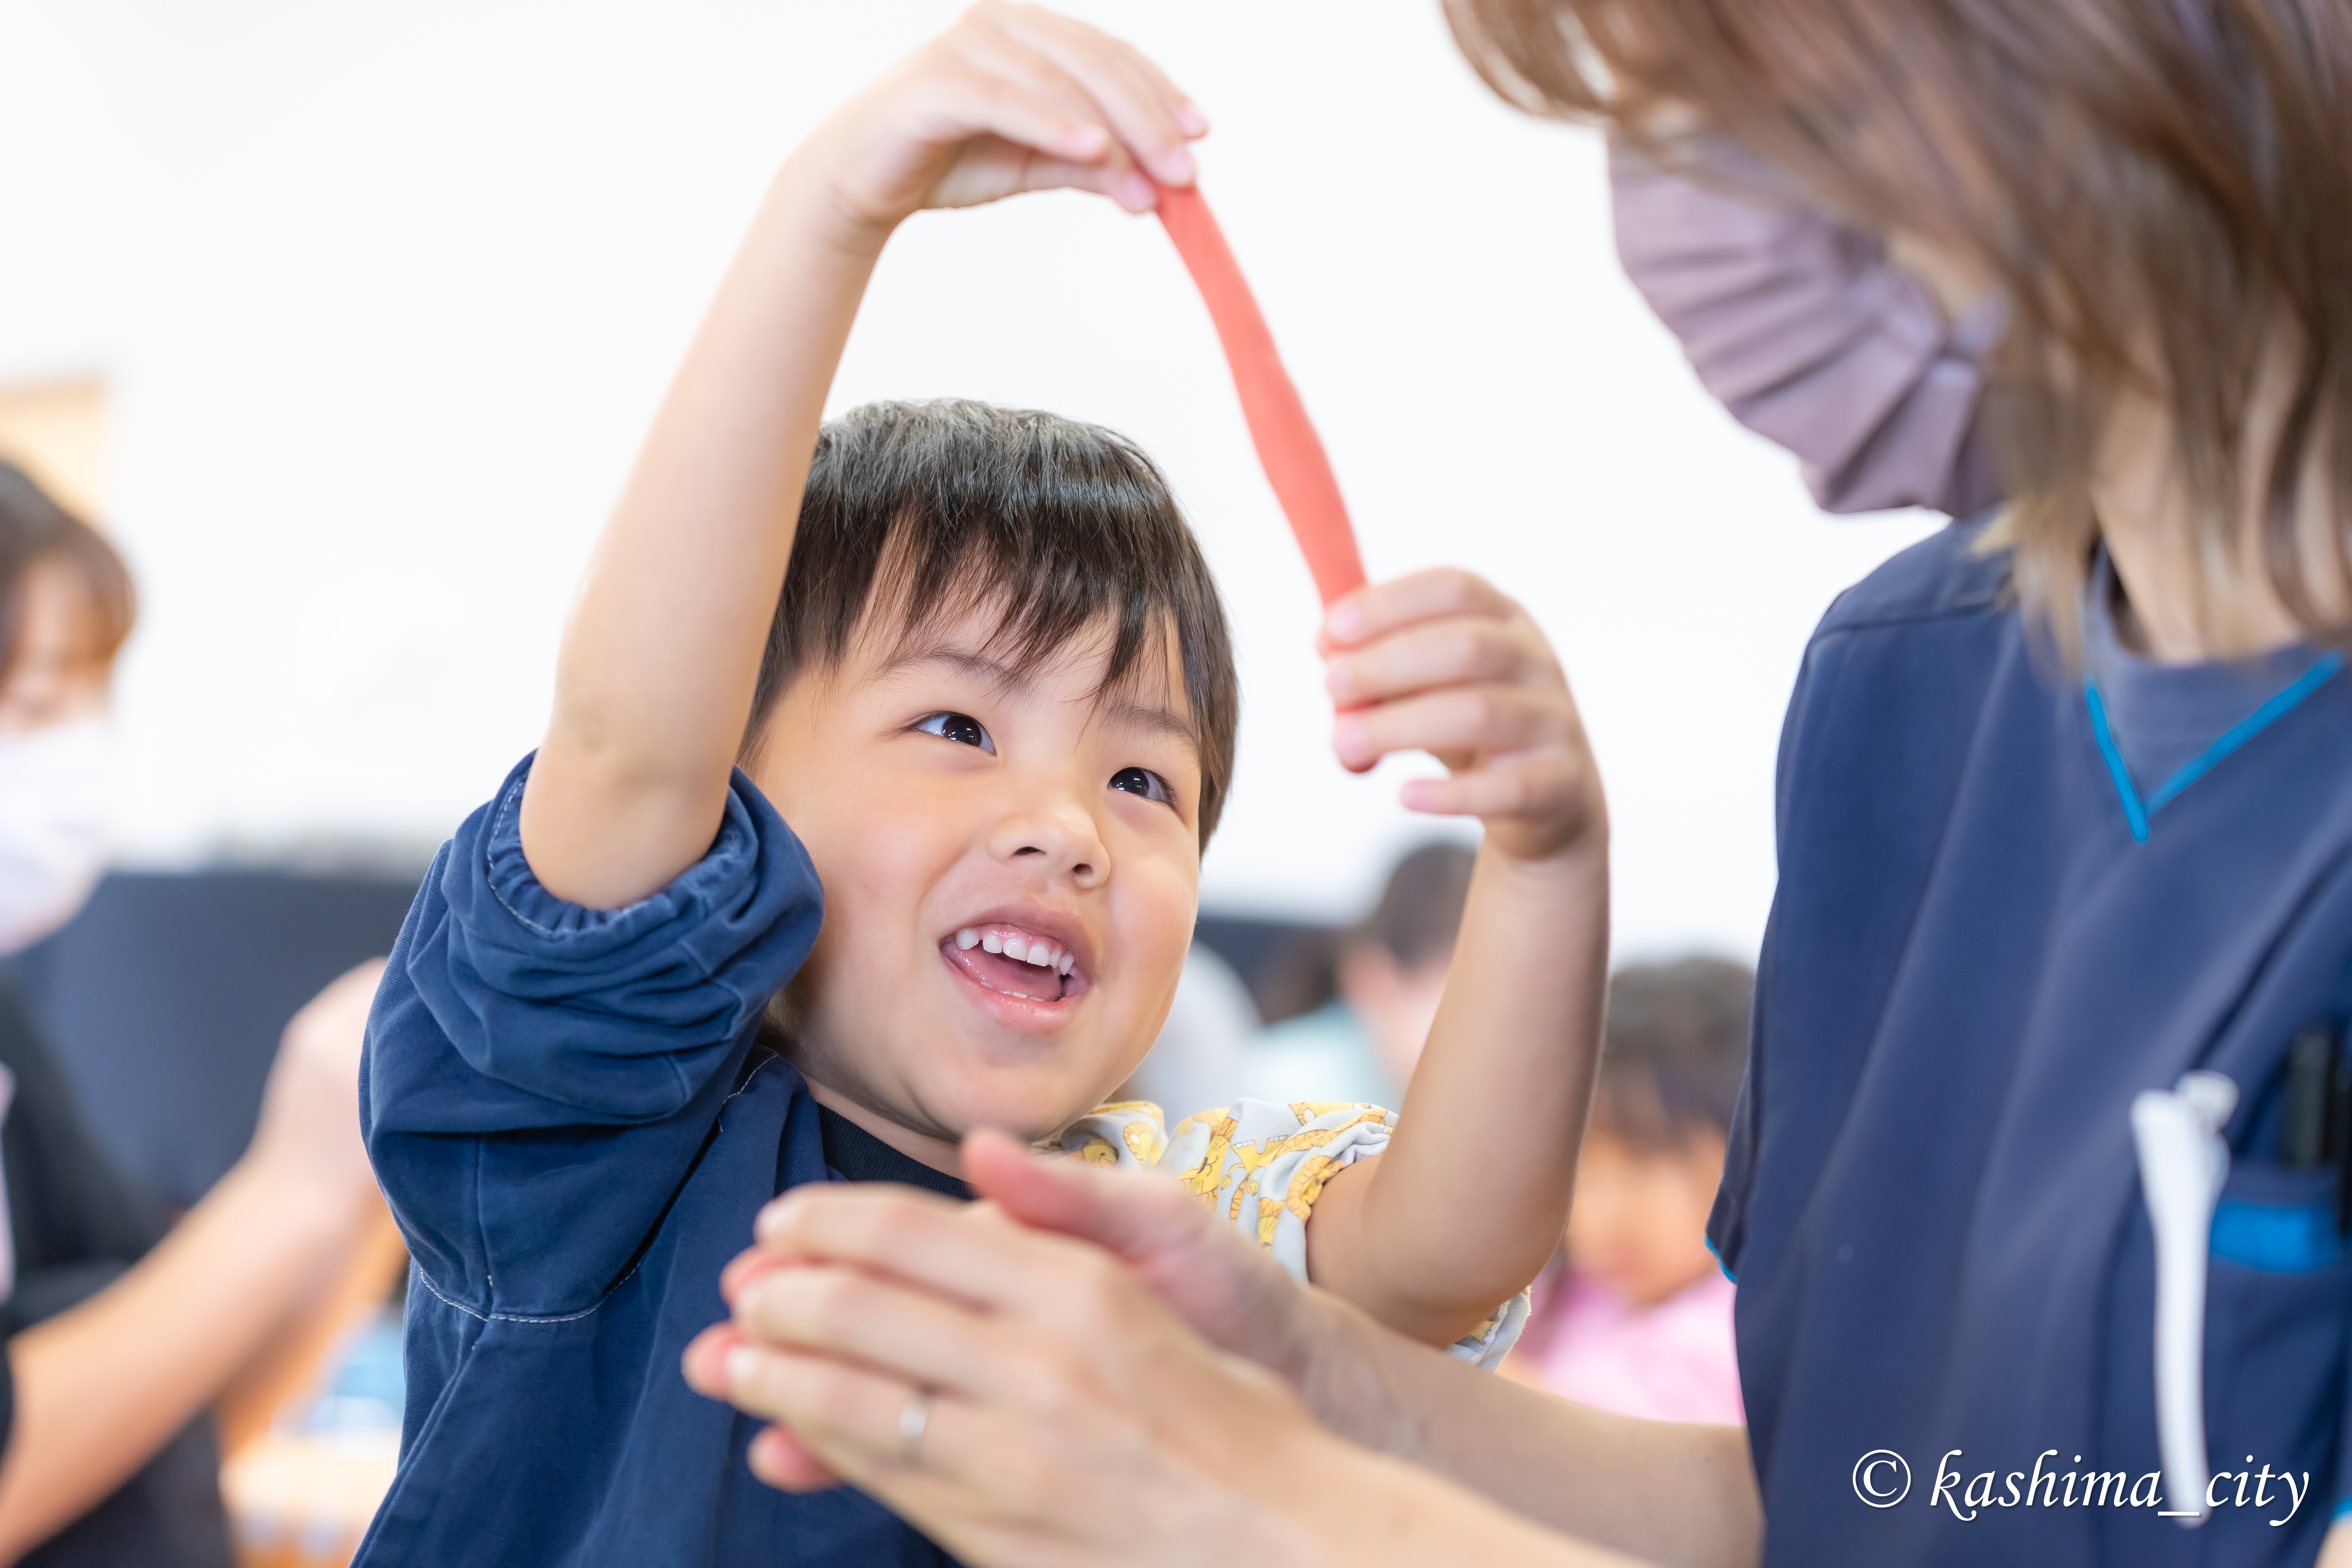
[1026, 1398]
[309, 1135]
[1061, 1410]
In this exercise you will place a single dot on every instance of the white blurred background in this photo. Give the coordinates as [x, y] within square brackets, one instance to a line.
[374, 302]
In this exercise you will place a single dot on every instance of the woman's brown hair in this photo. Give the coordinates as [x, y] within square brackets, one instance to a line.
[35, 528]
[2161, 189]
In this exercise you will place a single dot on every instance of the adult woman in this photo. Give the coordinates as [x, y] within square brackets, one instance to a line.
[114, 1348]
[2001, 997]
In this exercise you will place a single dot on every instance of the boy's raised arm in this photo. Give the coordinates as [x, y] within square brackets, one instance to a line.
[661, 653]
[1469, 1199]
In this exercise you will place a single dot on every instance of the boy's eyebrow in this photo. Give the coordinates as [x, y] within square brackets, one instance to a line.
[996, 672]
[1155, 718]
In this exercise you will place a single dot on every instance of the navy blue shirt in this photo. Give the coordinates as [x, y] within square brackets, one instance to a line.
[1932, 1201]
[575, 1122]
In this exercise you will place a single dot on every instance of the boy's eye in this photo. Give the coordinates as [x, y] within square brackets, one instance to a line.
[1145, 783]
[961, 728]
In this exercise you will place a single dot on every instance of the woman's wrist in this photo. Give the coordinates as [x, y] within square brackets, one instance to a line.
[1338, 1375]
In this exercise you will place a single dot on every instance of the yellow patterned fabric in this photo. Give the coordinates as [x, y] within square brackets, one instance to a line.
[1261, 1166]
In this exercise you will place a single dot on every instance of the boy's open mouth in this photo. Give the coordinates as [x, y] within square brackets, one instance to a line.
[1014, 961]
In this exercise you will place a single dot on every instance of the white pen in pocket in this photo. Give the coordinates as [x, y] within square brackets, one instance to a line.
[2183, 1163]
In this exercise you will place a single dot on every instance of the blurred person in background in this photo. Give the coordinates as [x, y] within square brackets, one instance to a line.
[117, 1333]
[1202, 1054]
[1636, 1317]
[1384, 982]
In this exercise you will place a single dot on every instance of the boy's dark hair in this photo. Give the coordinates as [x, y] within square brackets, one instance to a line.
[942, 505]
[1671, 1054]
[35, 528]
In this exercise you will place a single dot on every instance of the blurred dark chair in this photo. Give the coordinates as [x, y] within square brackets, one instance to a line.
[165, 999]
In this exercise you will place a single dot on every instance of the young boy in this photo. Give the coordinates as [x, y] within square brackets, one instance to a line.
[995, 699]
[1637, 1318]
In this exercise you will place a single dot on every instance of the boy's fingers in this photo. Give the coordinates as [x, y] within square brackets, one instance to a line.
[1382, 608]
[1066, 132]
[1115, 77]
[1447, 651]
[1524, 787]
[1476, 719]
[1024, 98]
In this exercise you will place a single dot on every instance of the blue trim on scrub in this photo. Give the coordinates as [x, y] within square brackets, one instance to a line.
[1727, 1274]
[2276, 1240]
[2237, 735]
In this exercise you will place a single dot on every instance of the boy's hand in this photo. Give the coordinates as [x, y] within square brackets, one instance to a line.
[1441, 662]
[1010, 98]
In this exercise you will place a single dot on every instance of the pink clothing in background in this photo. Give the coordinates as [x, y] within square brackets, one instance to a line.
[1673, 1362]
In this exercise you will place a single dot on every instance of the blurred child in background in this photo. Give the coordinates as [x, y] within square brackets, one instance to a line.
[1637, 1318]
[119, 1335]
[1384, 980]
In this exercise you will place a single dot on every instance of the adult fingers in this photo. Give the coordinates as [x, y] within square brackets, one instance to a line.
[845, 1311]
[791, 1464]
[852, 1418]
[1382, 608]
[927, 1240]
[1228, 1291]
[1463, 719]
[779, 1457]
[1128, 1218]
[1445, 651]
[1139, 100]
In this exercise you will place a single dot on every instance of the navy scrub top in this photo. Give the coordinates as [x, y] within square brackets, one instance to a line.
[1932, 1201]
[574, 1119]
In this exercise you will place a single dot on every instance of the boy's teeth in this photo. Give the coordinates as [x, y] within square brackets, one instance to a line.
[1014, 944]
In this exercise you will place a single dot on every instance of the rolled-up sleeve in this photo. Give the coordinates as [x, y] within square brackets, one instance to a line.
[540, 1076]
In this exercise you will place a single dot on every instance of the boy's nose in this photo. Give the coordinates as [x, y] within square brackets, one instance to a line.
[1061, 835]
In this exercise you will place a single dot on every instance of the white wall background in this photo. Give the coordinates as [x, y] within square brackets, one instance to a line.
[384, 295]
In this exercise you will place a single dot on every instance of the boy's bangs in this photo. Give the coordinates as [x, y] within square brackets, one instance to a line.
[919, 514]
[1038, 618]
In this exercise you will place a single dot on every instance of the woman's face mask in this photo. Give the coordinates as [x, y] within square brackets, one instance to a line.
[53, 841]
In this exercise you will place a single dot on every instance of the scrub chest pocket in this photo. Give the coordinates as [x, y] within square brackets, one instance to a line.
[2278, 1300]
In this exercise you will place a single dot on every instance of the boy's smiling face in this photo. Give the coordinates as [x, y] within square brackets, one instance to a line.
[967, 818]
